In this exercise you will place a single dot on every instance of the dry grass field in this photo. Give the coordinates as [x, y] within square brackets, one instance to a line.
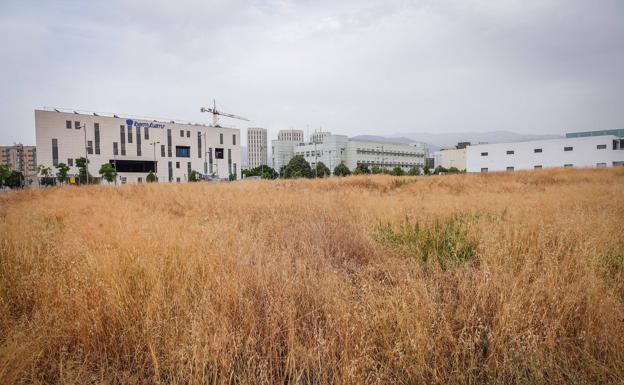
[511, 278]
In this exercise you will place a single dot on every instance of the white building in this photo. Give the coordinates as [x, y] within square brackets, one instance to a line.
[589, 151]
[136, 146]
[282, 148]
[256, 147]
[451, 157]
[319, 136]
[336, 149]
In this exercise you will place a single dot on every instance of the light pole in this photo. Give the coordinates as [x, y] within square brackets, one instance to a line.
[154, 143]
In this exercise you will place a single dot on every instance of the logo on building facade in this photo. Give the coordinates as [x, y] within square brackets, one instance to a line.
[134, 123]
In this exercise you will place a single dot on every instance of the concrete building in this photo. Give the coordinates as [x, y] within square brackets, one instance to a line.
[282, 148]
[20, 158]
[579, 151]
[354, 152]
[136, 146]
[452, 157]
[319, 136]
[256, 147]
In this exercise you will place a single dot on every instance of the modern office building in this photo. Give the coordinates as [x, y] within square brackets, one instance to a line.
[282, 149]
[616, 132]
[20, 158]
[577, 151]
[256, 147]
[336, 149]
[136, 146]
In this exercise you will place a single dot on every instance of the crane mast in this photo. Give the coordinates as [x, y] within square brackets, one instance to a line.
[216, 113]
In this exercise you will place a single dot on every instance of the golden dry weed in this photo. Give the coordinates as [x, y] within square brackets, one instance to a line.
[317, 281]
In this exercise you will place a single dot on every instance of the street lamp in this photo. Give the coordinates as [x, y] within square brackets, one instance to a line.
[153, 144]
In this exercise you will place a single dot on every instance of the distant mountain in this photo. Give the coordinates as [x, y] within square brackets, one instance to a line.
[446, 140]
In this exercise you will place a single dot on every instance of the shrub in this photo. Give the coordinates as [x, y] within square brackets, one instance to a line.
[342, 170]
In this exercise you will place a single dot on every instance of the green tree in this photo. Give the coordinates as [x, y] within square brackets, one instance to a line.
[321, 170]
[376, 169]
[398, 171]
[150, 178]
[46, 176]
[108, 172]
[414, 171]
[5, 171]
[453, 170]
[193, 176]
[264, 171]
[426, 170]
[232, 177]
[298, 167]
[14, 180]
[363, 168]
[62, 172]
[440, 170]
[83, 175]
[342, 170]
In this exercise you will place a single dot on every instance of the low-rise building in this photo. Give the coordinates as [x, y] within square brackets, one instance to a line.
[451, 157]
[136, 146]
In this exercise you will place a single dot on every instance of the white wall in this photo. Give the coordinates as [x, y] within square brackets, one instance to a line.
[584, 154]
[51, 124]
[451, 158]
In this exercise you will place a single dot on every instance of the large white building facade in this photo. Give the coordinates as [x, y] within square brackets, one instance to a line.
[282, 149]
[581, 151]
[136, 146]
[256, 147]
[336, 149]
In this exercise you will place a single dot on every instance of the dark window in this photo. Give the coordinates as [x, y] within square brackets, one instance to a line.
[181, 133]
[178, 179]
[169, 144]
[234, 169]
[115, 149]
[77, 125]
[229, 161]
[601, 147]
[146, 133]
[484, 154]
[138, 136]
[218, 153]
[96, 131]
[89, 147]
[139, 179]
[170, 166]
[183, 152]
[537, 167]
[568, 148]
[220, 138]
[68, 124]
[188, 168]
[141, 166]
[567, 165]
[122, 136]
[199, 146]
[510, 152]
[54, 152]
[188, 134]
[234, 139]
[177, 164]
[484, 169]
[210, 159]
[162, 150]
[70, 161]
[510, 168]
[129, 134]
[537, 150]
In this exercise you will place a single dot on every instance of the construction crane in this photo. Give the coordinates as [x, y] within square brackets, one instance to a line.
[215, 114]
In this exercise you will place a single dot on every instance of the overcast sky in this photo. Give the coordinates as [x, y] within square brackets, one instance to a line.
[350, 67]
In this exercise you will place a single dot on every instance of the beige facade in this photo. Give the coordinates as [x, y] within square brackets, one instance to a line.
[290, 136]
[451, 158]
[20, 158]
[256, 147]
[136, 145]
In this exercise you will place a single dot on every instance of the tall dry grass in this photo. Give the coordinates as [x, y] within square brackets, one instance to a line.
[513, 278]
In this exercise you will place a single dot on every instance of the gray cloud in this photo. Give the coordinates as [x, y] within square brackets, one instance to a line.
[352, 67]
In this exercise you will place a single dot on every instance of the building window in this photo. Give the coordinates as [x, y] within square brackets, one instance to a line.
[484, 154]
[178, 179]
[170, 171]
[122, 136]
[183, 152]
[188, 168]
[129, 134]
[177, 164]
[220, 138]
[169, 145]
[601, 165]
[68, 124]
[510, 152]
[537, 167]
[162, 150]
[234, 139]
[484, 169]
[537, 150]
[54, 152]
[219, 153]
[146, 130]
[181, 133]
[601, 147]
[188, 134]
[96, 136]
[510, 168]
[568, 148]
[115, 149]
[89, 147]
[77, 125]
[70, 161]
[567, 165]
[199, 146]
[210, 160]
[138, 144]
[140, 179]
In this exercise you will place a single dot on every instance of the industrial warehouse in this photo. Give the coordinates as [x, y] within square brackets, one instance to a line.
[137, 146]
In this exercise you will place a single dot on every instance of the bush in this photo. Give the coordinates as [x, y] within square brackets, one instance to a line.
[298, 167]
[322, 170]
[342, 170]
[150, 178]
[376, 169]
[397, 171]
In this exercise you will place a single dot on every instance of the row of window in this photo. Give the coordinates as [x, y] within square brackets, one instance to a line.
[388, 153]
[539, 150]
[537, 167]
